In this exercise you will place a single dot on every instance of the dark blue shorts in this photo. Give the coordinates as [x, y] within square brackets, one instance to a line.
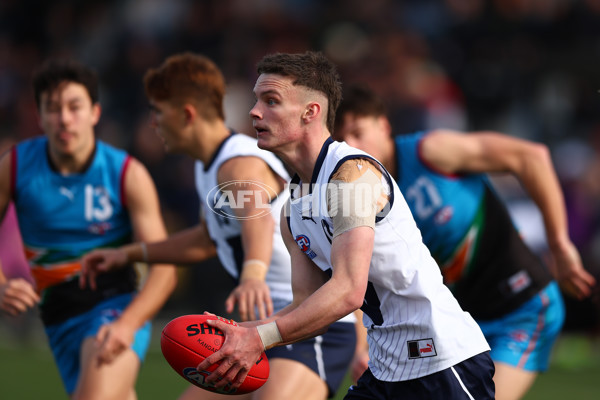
[328, 355]
[468, 380]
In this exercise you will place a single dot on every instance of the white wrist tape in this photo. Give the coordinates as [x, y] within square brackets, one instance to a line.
[269, 334]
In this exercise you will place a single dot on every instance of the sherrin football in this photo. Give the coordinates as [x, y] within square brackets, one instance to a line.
[187, 340]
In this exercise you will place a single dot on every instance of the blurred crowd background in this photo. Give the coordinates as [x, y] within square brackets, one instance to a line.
[528, 68]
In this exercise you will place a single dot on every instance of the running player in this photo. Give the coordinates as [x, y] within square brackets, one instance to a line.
[73, 193]
[242, 190]
[353, 243]
[491, 271]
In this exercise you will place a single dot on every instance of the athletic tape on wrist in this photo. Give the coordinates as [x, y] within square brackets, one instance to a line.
[253, 273]
[269, 334]
[255, 261]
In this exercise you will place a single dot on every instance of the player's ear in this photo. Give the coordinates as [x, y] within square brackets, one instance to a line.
[311, 111]
[385, 125]
[96, 112]
[189, 112]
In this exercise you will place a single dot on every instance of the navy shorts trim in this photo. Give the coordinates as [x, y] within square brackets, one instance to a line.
[471, 379]
[328, 355]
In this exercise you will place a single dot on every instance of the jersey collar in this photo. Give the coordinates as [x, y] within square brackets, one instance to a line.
[322, 154]
[214, 157]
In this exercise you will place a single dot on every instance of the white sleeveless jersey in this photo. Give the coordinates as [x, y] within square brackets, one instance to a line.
[415, 325]
[225, 230]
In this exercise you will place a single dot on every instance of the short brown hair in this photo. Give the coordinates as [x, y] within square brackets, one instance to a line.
[310, 69]
[360, 101]
[188, 77]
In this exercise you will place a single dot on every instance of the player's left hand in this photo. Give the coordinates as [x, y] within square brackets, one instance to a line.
[570, 274]
[112, 339]
[250, 295]
[240, 351]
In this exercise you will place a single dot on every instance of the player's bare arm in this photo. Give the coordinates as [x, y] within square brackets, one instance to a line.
[306, 277]
[318, 302]
[360, 361]
[258, 184]
[531, 163]
[16, 295]
[189, 246]
[486, 152]
[192, 245]
[144, 210]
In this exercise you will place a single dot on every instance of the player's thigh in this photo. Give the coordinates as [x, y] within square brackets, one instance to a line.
[291, 380]
[195, 393]
[512, 382]
[288, 379]
[107, 381]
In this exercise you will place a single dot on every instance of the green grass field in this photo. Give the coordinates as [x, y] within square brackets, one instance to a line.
[27, 370]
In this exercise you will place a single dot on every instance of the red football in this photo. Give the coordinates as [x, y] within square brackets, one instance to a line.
[187, 340]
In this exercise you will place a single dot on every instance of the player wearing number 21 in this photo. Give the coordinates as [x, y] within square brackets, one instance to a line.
[350, 250]
[73, 193]
[494, 275]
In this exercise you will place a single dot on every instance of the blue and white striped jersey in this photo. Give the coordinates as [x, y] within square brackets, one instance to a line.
[415, 325]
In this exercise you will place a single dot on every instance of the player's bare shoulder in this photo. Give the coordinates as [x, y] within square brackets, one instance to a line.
[353, 169]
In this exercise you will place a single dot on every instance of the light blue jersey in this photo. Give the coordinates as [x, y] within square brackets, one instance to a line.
[61, 217]
[492, 272]
[470, 234]
[445, 207]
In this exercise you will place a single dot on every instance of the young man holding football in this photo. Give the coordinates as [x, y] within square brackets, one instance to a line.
[73, 193]
[353, 244]
[241, 189]
[494, 275]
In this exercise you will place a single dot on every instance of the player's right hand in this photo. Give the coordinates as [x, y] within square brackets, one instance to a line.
[98, 261]
[570, 274]
[240, 351]
[17, 296]
[112, 340]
